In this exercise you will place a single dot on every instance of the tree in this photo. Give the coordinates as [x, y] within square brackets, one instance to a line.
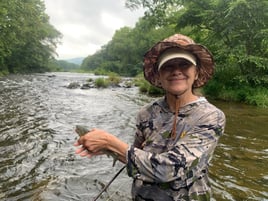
[124, 53]
[27, 39]
[158, 12]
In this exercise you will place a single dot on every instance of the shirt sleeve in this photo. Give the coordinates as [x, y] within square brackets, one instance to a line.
[188, 157]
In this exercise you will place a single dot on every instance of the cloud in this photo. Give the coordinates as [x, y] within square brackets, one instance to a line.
[87, 25]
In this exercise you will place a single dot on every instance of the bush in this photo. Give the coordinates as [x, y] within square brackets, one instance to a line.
[244, 94]
[3, 73]
[213, 89]
[100, 72]
[146, 87]
[101, 83]
[259, 97]
[90, 79]
[114, 79]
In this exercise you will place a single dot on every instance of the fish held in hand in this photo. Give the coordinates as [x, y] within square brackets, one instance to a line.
[83, 130]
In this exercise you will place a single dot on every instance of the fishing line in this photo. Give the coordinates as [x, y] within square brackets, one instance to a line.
[111, 196]
[105, 188]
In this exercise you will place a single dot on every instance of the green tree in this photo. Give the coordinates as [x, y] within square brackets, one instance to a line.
[27, 39]
[157, 12]
[124, 53]
[92, 62]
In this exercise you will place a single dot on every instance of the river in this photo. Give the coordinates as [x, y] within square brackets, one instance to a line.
[37, 160]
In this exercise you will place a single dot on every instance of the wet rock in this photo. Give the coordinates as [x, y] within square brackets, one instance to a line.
[127, 83]
[73, 85]
[87, 86]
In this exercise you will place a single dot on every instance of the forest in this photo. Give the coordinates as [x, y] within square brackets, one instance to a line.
[235, 31]
[27, 39]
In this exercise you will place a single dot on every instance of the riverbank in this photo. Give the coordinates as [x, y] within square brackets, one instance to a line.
[245, 94]
[256, 96]
[213, 90]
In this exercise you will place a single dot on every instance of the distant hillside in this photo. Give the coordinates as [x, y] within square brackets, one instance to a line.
[77, 61]
[67, 66]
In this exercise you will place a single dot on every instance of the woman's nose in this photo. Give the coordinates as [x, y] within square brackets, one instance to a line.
[176, 70]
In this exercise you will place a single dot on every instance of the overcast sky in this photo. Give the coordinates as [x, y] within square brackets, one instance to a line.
[86, 25]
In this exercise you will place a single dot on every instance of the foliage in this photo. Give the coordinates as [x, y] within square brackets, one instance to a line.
[101, 82]
[245, 94]
[124, 53]
[27, 40]
[53, 65]
[159, 12]
[146, 87]
[258, 97]
[114, 78]
[236, 31]
[67, 66]
[149, 89]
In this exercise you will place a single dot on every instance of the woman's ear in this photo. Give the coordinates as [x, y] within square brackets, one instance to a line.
[196, 76]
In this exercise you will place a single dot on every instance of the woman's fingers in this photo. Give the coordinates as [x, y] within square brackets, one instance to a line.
[80, 150]
[77, 144]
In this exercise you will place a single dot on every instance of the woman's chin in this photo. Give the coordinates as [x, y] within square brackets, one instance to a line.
[176, 90]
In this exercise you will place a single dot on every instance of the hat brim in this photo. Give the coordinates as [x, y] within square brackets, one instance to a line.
[205, 62]
[172, 53]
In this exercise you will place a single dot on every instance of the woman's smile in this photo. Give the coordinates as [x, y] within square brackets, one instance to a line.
[176, 78]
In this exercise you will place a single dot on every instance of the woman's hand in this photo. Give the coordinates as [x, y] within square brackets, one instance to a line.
[97, 142]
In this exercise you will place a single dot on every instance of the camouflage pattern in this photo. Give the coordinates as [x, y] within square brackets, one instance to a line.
[205, 62]
[168, 169]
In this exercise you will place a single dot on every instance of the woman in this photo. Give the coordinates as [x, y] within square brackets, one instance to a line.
[177, 134]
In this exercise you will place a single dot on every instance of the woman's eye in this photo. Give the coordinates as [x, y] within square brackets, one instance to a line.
[178, 65]
[184, 65]
[169, 67]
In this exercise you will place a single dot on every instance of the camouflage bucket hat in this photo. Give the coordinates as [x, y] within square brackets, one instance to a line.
[205, 62]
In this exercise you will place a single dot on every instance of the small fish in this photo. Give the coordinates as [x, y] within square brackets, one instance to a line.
[82, 130]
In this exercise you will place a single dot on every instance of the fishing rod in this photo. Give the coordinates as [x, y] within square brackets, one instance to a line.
[81, 131]
[107, 185]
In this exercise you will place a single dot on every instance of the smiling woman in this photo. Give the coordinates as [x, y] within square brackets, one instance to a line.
[87, 25]
[178, 75]
[176, 135]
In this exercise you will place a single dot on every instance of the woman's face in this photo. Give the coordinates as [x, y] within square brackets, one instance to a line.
[177, 76]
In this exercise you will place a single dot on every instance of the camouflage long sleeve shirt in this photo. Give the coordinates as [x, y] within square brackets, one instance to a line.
[174, 169]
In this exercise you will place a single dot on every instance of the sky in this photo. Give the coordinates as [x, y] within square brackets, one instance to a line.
[86, 25]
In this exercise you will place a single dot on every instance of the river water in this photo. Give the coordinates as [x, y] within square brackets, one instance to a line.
[37, 161]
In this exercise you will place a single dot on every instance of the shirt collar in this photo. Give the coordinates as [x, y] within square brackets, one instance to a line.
[164, 106]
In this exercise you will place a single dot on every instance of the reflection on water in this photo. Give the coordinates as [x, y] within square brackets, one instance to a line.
[37, 161]
[239, 167]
